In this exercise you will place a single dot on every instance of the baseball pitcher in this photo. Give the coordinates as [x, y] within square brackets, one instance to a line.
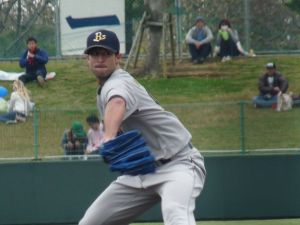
[154, 155]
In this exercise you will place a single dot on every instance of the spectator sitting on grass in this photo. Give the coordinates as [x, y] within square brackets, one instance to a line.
[269, 85]
[19, 105]
[34, 60]
[95, 134]
[199, 40]
[74, 140]
[228, 44]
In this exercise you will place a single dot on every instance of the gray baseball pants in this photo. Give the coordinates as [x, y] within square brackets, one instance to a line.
[176, 184]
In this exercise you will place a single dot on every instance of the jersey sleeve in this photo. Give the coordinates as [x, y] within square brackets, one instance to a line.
[188, 38]
[125, 91]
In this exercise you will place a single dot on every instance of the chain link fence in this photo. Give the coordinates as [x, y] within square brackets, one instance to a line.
[267, 26]
[20, 19]
[232, 127]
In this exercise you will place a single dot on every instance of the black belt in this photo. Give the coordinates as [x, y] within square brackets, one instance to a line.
[161, 162]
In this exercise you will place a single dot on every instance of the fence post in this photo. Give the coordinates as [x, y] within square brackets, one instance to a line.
[57, 28]
[35, 133]
[247, 24]
[242, 126]
[178, 27]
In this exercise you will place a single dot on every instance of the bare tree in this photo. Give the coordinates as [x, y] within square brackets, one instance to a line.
[155, 10]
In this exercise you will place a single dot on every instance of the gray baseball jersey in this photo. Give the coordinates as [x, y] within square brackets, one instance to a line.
[162, 130]
[176, 184]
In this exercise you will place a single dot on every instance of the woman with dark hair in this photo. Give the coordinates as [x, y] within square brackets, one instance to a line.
[228, 44]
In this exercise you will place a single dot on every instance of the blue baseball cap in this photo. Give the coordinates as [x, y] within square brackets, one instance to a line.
[200, 18]
[103, 39]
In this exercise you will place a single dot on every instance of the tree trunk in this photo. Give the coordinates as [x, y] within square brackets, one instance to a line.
[155, 10]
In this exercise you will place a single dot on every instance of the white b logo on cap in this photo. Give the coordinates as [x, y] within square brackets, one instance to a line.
[99, 37]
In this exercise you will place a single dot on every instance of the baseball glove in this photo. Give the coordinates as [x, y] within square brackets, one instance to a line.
[128, 154]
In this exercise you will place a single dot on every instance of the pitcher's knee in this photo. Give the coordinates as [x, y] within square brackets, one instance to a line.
[175, 214]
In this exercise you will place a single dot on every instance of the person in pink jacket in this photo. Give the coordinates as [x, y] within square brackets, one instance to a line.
[95, 134]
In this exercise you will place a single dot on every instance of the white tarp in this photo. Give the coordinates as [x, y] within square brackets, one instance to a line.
[10, 76]
[79, 18]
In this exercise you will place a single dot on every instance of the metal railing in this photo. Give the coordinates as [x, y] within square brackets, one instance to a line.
[217, 128]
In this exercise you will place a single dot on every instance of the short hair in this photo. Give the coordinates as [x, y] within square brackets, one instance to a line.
[31, 39]
[92, 119]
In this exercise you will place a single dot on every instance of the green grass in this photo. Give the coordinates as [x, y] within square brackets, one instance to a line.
[241, 222]
[71, 96]
[74, 85]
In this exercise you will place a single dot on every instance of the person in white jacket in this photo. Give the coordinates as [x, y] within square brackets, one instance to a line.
[199, 39]
[19, 104]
